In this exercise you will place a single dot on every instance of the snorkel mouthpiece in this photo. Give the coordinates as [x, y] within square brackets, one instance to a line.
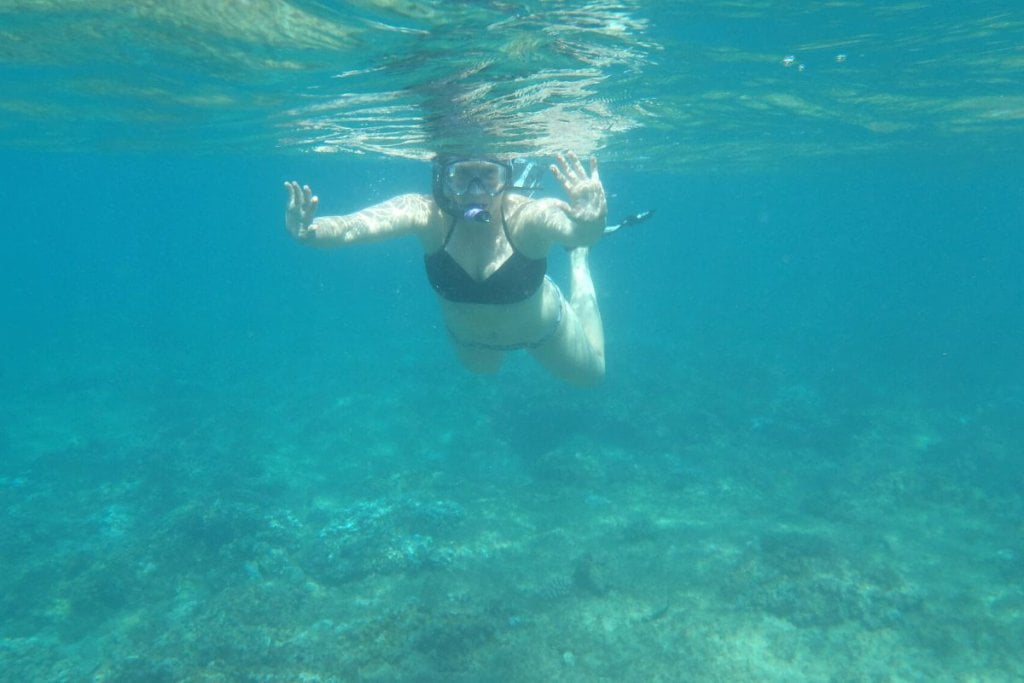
[477, 213]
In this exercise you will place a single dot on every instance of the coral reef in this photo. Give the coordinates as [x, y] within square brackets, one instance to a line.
[725, 546]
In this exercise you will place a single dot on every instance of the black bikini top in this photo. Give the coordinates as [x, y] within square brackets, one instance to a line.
[515, 280]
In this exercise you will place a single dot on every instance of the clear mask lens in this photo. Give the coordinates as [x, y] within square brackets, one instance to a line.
[475, 176]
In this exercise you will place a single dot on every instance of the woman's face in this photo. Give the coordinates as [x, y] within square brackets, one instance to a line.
[475, 180]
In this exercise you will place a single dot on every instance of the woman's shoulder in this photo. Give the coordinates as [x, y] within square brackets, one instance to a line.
[428, 216]
[517, 211]
[521, 221]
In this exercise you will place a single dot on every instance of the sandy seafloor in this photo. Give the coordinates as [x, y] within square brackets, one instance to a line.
[713, 519]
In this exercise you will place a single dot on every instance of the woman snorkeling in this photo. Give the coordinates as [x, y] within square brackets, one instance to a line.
[485, 250]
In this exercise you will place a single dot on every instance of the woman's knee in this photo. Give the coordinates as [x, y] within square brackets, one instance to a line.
[589, 375]
[587, 372]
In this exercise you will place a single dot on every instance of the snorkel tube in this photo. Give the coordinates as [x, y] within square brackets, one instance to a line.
[526, 175]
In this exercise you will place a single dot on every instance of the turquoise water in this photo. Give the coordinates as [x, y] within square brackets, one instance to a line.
[224, 456]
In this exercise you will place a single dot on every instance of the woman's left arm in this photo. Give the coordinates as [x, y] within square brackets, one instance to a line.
[579, 222]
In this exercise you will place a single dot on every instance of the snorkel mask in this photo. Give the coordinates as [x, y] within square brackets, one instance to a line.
[457, 180]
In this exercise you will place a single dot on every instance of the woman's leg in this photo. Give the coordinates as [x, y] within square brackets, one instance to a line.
[576, 352]
[583, 299]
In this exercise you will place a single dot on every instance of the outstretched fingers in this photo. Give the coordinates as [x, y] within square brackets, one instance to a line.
[302, 206]
[300, 197]
[576, 166]
[569, 171]
[557, 172]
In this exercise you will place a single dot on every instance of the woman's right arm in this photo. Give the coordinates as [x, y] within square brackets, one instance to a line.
[402, 215]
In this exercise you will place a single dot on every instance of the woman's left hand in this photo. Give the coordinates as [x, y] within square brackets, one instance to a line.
[587, 203]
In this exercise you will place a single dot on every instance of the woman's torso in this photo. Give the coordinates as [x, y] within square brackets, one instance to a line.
[490, 292]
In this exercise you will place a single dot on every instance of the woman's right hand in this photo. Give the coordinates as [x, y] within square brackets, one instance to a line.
[298, 216]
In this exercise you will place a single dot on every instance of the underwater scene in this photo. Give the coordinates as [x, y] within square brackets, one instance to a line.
[228, 456]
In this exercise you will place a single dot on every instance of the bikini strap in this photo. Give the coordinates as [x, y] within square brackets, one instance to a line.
[448, 235]
[504, 227]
